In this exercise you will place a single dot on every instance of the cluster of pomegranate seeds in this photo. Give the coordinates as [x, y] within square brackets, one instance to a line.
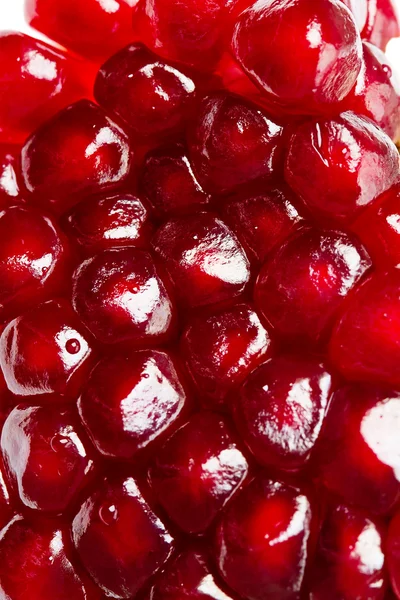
[200, 301]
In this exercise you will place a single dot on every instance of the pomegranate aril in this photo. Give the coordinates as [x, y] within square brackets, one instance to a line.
[109, 220]
[36, 564]
[11, 188]
[383, 22]
[280, 409]
[44, 351]
[169, 184]
[263, 221]
[120, 296]
[378, 228]
[116, 527]
[365, 341]
[221, 348]
[232, 144]
[350, 558]
[77, 152]
[359, 449]
[33, 258]
[304, 283]
[377, 92]
[352, 162]
[46, 455]
[204, 259]
[259, 553]
[153, 98]
[131, 400]
[36, 81]
[197, 471]
[271, 38]
[188, 577]
[94, 28]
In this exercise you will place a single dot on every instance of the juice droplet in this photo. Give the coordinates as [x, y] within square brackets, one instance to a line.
[108, 513]
[73, 346]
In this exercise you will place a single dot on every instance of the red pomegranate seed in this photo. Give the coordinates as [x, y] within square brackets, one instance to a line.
[280, 408]
[232, 144]
[44, 351]
[306, 280]
[263, 221]
[41, 551]
[204, 259]
[77, 152]
[359, 450]
[109, 220]
[197, 472]
[131, 400]
[11, 187]
[352, 162]
[94, 28]
[263, 540]
[364, 344]
[350, 560]
[153, 98]
[169, 183]
[46, 455]
[221, 348]
[116, 527]
[271, 39]
[36, 81]
[33, 258]
[120, 296]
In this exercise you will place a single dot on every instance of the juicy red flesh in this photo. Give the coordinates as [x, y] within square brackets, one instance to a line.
[359, 450]
[46, 455]
[120, 296]
[231, 144]
[197, 471]
[151, 97]
[304, 283]
[131, 400]
[79, 151]
[221, 348]
[350, 560]
[31, 69]
[258, 556]
[352, 162]
[127, 536]
[204, 259]
[280, 409]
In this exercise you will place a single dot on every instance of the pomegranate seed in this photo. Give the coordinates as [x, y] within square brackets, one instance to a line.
[352, 162]
[350, 558]
[232, 143]
[36, 81]
[280, 409]
[153, 98]
[46, 455]
[109, 220]
[169, 184]
[116, 527]
[221, 348]
[120, 296]
[77, 152]
[364, 344]
[264, 221]
[197, 472]
[43, 351]
[44, 567]
[271, 38]
[359, 449]
[131, 400]
[94, 28]
[304, 283]
[259, 552]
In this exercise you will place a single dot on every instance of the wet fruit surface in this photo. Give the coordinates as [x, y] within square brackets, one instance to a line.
[200, 301]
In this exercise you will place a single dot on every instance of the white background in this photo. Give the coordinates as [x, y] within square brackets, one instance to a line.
[11, 18]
